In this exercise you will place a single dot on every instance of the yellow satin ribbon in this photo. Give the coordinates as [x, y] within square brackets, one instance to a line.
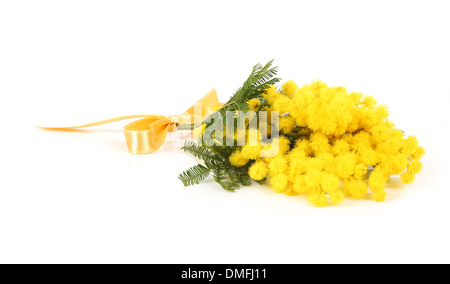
[147, 134]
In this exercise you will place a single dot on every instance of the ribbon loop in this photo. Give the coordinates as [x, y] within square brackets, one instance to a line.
[146, 135]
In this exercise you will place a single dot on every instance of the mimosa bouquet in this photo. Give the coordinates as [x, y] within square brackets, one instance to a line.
[322, 142]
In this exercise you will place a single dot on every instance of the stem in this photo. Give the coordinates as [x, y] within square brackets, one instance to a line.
[189, 126]
[186, 126]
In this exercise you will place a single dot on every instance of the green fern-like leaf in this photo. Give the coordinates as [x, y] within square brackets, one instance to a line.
[259, 80]
[194, 175]
[200, 152]
[220, 177]
[244, 178]
[263, 181]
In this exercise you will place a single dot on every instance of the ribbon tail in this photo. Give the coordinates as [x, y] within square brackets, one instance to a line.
[97, 123]
[202, 107]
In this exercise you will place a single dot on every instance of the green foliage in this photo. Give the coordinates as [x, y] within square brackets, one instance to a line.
[201, 152]
[259, 80]
[216, 161]
[194, 175]
[215, 158]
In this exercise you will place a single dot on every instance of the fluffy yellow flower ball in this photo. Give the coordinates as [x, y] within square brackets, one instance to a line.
[258, 170]
[238, 159]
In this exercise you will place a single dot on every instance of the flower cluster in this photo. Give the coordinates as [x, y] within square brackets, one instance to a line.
[332, 144]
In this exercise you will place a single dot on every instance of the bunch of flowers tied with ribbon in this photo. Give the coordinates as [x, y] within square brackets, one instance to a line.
[322, 142]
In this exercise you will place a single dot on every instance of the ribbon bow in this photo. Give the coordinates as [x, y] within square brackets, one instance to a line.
[147, 134]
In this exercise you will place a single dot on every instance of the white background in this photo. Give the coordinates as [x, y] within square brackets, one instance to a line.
[80, 197]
